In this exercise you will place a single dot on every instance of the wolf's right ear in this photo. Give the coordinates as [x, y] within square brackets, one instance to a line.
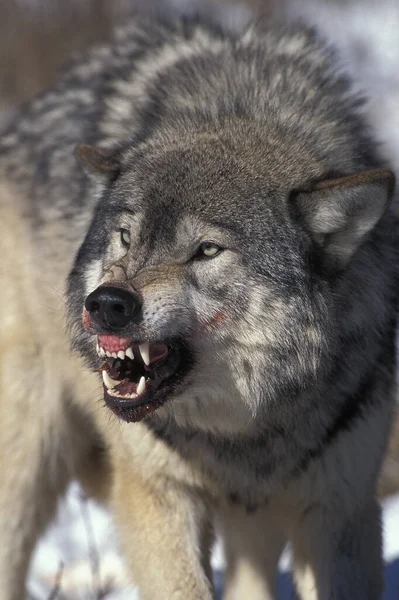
[339, 212]
[98, 161]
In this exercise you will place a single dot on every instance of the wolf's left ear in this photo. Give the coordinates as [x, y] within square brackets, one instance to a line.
[338, 213]
[98, 161]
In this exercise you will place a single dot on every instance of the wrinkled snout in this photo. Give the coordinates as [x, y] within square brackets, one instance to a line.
[113, 308]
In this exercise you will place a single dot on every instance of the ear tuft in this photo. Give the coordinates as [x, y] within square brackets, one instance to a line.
[340, 212]
[97, 160]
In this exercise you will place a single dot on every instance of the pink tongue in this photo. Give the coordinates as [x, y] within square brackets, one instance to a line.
[157, 353]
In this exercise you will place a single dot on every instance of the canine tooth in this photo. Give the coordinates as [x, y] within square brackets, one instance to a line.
[129, 353]
[108, 354]
[121, 354]
[145, 352]
[114, 355]
[100, 351]
[141, 386]
[108, 381]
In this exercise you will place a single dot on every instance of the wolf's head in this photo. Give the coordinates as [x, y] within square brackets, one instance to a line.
[205, 287]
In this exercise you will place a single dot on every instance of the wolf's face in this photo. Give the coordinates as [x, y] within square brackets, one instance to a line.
[201, 288]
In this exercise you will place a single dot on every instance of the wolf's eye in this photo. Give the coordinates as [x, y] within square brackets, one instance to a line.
[208, 250]
[125, 237]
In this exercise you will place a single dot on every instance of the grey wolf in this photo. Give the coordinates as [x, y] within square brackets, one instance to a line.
[210, 215]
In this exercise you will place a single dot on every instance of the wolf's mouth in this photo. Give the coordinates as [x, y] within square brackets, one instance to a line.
[139, 377]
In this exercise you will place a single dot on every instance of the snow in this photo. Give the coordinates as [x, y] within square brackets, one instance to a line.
[84, 534]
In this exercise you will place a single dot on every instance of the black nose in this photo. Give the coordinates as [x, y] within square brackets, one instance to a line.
[112, 307]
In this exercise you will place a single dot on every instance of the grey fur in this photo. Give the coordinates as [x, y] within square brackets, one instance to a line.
[252, 140]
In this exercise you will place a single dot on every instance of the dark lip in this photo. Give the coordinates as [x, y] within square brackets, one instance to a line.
[140, 410]
[134, 415]
[120, 403]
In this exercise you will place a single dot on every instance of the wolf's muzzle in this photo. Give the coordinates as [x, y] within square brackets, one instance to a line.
[112, 307]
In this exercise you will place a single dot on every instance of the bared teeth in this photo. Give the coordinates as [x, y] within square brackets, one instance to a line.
[108, 381]
[115, 394]
[145, 352]
[144, 349]
[129, 353]
[141, 386]
[100, 351]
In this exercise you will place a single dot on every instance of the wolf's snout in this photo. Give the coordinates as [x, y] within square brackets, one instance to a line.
[112, 307]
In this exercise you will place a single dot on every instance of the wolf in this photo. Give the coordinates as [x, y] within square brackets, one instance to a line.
[202, 217]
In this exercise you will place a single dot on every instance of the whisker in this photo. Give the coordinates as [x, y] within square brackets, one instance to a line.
[60, 294]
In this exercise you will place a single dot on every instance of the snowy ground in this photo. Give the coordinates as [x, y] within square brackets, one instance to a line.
[83, 541]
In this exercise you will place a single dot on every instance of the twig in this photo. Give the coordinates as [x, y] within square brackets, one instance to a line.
[57, 586]
[93, 552]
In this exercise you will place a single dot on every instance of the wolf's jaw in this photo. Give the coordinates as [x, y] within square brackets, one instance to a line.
[138, 377]
[129, 366]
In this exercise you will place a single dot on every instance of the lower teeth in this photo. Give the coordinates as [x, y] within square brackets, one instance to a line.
[108, 381]
[141, 386]
[111, 384]
[116, 394]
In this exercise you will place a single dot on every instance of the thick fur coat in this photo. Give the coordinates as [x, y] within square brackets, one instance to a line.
[227, 210]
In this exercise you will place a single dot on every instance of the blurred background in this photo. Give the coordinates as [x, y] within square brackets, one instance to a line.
[78, 558]
[37, 36]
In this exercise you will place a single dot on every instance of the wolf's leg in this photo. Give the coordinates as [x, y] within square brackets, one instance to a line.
[43, 444]
[253, 545]
[45, 439]
[30, 476]
[29, 401]
[339, 562]
[162, 531]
